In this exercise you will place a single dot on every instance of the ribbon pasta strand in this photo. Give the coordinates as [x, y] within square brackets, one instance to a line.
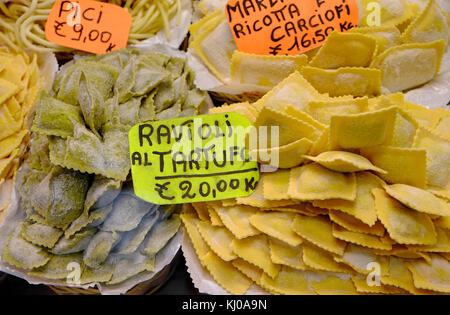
[22, 23]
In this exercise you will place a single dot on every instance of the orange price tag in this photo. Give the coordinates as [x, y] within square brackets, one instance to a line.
[287, 27]
[88, 25]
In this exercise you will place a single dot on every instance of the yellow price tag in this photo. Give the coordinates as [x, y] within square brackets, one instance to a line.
[192, 159]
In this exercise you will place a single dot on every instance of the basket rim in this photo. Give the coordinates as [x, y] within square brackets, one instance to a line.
[165, 274]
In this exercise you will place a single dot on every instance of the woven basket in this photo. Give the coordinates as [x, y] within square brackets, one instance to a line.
[185, 44]
[64, 57]
[144, 288]
[2, 276]
[220, 98]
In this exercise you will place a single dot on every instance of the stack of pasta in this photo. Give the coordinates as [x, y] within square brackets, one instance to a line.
[361, 183]
[22, 22]
[77, 204]
[19, 88]
[380, 58]
[359, 201]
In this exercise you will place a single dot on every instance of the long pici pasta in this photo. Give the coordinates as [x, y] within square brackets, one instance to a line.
[22, 22]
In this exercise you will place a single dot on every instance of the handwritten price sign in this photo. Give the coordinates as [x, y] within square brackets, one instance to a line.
[92, 26]
[192, 159]
[287, 27]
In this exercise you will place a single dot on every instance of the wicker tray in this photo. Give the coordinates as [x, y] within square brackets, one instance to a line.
[220, 98]
[2, 276]
[144, 288]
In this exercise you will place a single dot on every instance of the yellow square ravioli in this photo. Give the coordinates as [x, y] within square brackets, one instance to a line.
[315, 182]
[227, 276]
[10, 143]
[290, 129]
[14, 108]
[399, 276]
[404, 225]
[402, 251]
[362, 260]
[365, 240]
[202, 210]
[318, 230]
[256, 250]
[363, 208]
[442, 245]
[345, 81]
[284, 254]
[248, 269]
[256, 199]
[229, 202]
[218, 239]
[334, 285]
[7, 89]
[438, 157]
[423, 115]
[263, 70]
[294, 90]
[323, 110]
[430, 25]
[321, 145]
[319, 259]
[304, 116]
[8, 125]
[215, 219]
[362, 130]
[404, 130]
[241, 108]
[345, 50]
[351, 223]
[385, 101]
[289, 281]
[419, 199]
[236, 220]
[410, 65]
[301, 208]
[277, 225]
[362, 286]
[215, 46]
[191, 224]
[434, 276]
[385, 36]
[316, 210]
[404, 165]
[276, 184]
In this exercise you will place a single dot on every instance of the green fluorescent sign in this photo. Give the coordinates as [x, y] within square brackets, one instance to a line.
[192, 159]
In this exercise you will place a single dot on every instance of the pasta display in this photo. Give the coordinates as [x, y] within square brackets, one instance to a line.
[22, 22]
[80, 206]
[403, 52]
[350, 136]
[19, 89]
[360, 188]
